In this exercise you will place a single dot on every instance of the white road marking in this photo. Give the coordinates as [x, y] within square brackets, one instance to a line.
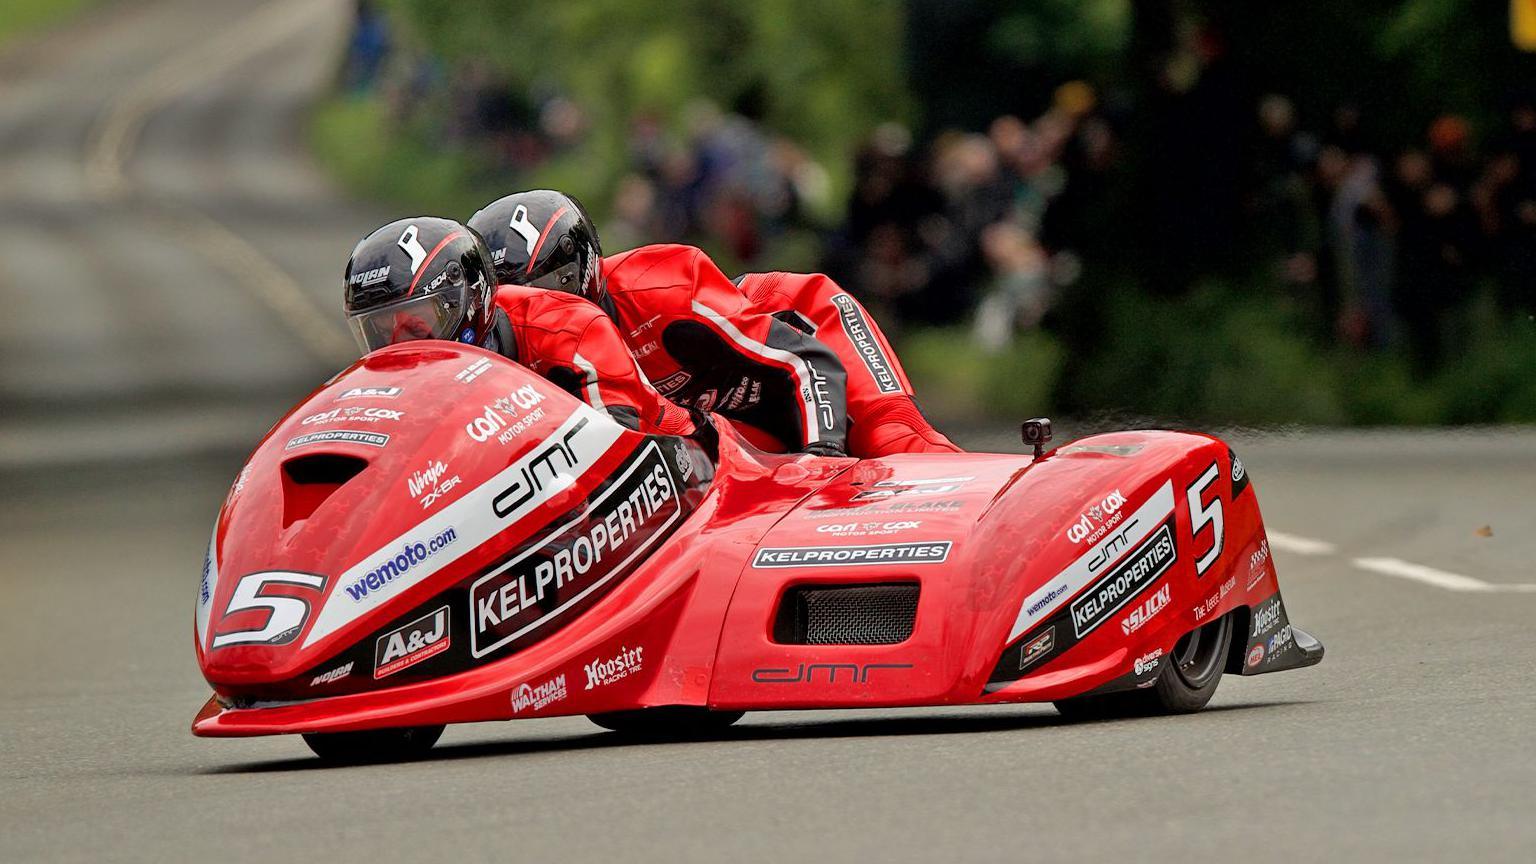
[1299, 545]
[270, 284]
[1442, 579]
[113, 139]
[1431, 576]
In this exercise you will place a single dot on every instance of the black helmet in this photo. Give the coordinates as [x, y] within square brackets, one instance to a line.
[545, 239]
[421, 278]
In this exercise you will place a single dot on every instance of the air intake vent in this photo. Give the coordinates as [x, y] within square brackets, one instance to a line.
[846, 614]
[309, 480]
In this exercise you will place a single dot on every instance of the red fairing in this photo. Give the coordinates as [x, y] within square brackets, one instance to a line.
[507, 552]
[393, 489]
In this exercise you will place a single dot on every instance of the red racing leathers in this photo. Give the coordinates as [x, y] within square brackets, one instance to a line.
[790, 353]
[572, 343]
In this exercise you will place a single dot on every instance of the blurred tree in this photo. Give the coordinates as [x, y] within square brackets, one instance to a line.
[970, 60]
[1403, 62]
[822, 73]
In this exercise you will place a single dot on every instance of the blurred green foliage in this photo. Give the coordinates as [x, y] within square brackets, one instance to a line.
[822, 73]
[1226, 357]
[354, 141]
[958, 382]
[22, 16]
[1222, 358]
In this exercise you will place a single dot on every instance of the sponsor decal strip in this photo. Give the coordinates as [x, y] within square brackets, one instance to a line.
[1150, 561]
[924, 552]
[529, 697]
[655, 535]
[344, 436]
[474, 518]
[864, 342]
[1134, 529]
[404, 647]
[209, 586]
[1037, 648]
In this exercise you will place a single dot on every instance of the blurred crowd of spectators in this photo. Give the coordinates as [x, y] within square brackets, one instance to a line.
[729, 182]
[1398, 241]
[1378, 243]
[990, 228]
[976, 226]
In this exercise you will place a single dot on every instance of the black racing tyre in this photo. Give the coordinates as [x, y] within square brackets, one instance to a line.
[1186, 684]
[667, 721]
[1189, 679]
[374, 745]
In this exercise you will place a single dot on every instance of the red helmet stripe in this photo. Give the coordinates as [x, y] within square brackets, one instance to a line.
[422, 270]
[534, 255]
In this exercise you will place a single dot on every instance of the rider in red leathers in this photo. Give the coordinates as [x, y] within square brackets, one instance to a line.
[572, 343]
[789, 353]
[430, 278]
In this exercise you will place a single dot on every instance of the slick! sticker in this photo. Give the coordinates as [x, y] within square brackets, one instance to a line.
[931, 552]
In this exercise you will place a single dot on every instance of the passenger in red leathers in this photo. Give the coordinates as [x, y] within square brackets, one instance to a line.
[788, 353]
[572, 343]
[430, 278]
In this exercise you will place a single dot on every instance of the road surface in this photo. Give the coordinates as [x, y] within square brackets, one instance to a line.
[122, 422]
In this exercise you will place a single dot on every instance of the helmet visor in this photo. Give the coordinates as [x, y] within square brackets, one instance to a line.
[431, 316]
[562, 278]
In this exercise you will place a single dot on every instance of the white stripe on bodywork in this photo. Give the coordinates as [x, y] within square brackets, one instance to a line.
[472, 518]
[1126, 536]
[594, 396]
[778, 355]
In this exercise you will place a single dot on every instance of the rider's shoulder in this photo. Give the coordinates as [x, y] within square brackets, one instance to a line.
[542, 309]
[659, 265]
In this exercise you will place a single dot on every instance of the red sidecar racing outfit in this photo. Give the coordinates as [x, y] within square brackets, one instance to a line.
[790, 353]
[572, 343]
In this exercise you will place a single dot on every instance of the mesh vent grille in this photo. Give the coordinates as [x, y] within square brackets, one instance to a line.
[847, 614]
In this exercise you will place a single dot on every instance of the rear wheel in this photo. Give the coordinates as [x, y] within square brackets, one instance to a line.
[667, 721]
[1186, 684]
[374, 745]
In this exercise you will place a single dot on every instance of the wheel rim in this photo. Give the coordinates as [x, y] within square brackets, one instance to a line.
[1201, 654]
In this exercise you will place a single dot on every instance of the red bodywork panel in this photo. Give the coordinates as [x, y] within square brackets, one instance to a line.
[419, 560]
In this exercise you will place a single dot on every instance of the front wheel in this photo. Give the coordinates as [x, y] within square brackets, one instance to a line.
[374, 745]
[667, 721]
[1186, 684]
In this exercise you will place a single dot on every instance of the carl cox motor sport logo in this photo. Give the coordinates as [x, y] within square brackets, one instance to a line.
[1092, 524]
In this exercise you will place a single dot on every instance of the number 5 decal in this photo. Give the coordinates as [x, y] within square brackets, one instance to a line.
[287, 614]
[1200, 515]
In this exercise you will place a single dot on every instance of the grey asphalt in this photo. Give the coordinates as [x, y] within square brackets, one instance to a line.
[120, 431]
